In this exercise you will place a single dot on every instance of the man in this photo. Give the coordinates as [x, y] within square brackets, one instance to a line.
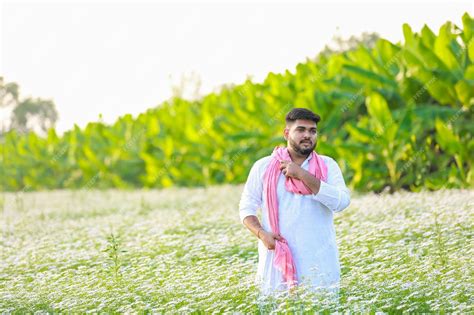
[298, 192]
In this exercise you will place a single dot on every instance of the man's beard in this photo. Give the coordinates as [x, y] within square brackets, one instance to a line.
[300, 149]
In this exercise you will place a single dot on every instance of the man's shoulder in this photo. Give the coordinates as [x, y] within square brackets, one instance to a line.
[326, 158]
[263, 159]
[259, 167]
[262, 162]
[329, 161]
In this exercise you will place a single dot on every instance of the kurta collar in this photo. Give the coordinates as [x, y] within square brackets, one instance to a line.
[307, 159]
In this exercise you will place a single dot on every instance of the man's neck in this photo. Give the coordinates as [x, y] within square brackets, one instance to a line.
[296, 157]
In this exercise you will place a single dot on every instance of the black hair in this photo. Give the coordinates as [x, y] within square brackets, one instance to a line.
[301, 113]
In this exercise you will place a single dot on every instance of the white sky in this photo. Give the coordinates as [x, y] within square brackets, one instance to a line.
[119, 58]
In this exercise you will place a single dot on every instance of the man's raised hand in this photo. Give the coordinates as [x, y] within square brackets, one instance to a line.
[290, 169]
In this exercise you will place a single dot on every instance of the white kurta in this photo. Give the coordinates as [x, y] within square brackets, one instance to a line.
[306, 221]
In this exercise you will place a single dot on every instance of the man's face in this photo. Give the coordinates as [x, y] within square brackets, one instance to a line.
[301, 136]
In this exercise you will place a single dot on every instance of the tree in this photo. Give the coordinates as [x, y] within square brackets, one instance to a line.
[30, 114]
[33, 114]
[8, 93]
[8, 100]
[341, 44]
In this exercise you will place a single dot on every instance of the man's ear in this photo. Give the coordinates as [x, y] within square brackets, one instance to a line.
[286, 131]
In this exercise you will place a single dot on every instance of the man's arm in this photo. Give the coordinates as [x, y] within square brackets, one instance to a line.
[291, 169]
[334, 194]
[251, 197]
[251, 200]
[268, 238]
[310, 181]
[253, 224]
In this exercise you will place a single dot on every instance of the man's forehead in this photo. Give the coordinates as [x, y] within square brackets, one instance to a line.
[304, 124]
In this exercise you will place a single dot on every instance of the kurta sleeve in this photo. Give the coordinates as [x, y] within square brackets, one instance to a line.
[251, 198]
[334, 194]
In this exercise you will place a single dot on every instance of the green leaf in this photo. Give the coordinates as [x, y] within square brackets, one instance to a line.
[408, 34]
[427, 36]
[465, 92]
[360, 134]
[442, 47]
[446, 138]
[378, 109]
[371, 76]
[468, 27]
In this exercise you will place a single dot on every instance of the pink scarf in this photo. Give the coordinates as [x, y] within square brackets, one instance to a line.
[283, 260]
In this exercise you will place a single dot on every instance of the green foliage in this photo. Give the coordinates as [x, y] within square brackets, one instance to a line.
[395, 116]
